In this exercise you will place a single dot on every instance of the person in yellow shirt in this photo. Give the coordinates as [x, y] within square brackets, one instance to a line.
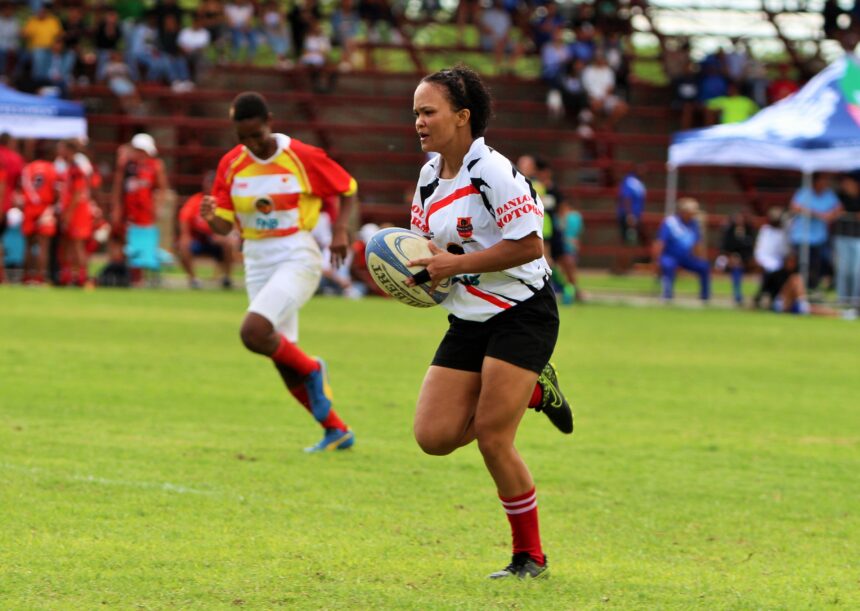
[39, 33]
[733, 107]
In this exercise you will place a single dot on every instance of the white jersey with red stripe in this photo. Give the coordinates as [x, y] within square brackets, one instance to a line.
[488, 201]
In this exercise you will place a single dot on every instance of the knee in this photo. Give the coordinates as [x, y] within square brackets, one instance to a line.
[255, 337]
[492, 445]
[433, 442]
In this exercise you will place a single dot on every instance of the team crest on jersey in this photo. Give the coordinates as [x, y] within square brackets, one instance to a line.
[464, 226]
[264, 205]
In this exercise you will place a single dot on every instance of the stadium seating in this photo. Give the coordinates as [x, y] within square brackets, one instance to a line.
[366, 124]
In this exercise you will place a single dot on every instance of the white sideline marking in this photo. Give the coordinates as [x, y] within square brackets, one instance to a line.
[104, 481]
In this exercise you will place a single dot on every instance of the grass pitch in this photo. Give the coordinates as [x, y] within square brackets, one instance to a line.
[148, 461]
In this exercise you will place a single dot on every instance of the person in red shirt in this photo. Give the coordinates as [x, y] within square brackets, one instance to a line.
[196, 238]
[783, 86]
[39, 190]
[11, 164]
[139, 187]
[76, 215]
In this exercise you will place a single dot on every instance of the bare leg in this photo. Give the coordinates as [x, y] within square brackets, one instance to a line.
[444, 418]
[505, 392]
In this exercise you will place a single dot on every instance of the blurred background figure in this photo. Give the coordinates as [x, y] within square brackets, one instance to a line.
[10, 42]
[195, 238]
[814, 209]
[239, 18]
[335, 280]
[679, 245]
[736, 251]
[846, 239]
[629, 209]
[11, 166]
[361, 278]
[39, 189]
[76, 176]
[770, 251]
[139, 188]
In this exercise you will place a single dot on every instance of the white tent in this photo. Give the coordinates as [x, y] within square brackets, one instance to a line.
[31, 116]
[816, 129]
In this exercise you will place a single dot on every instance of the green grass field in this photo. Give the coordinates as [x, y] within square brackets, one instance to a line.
[147, 461]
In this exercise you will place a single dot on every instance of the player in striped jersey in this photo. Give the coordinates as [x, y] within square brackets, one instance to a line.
[485, 223]
[272, 186]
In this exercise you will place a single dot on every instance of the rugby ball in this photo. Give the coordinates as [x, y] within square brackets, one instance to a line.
[387, 253]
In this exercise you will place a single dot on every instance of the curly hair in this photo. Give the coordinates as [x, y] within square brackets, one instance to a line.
[465, 89]
[249, 105]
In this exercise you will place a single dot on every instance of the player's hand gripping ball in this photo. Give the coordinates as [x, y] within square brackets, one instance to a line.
[387, 253]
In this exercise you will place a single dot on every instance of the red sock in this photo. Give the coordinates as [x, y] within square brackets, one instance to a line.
[523, 517]
[537, 396]
[290, 355]
[332, 422]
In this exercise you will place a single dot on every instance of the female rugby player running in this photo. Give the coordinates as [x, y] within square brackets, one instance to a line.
[485, 224]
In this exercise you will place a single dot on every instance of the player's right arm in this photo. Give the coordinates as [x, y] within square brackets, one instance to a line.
[217, 209]
[219, 225]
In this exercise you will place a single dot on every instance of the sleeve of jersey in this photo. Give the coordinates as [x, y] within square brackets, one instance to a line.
[416, 216]
[417, 212]
[663, 233]
[325, 175]
[518, 209]
[221, 190]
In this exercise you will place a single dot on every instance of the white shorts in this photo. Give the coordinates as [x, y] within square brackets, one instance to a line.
[278, 290]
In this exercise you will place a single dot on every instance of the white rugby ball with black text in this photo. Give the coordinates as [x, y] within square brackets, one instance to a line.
[387, 253]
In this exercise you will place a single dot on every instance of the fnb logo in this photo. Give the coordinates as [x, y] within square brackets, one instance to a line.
[264, 205]
[464, 226]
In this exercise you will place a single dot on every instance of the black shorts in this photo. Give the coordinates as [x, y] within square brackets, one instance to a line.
[524, 336]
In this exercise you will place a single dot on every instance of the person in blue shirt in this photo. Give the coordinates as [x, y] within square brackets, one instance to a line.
[814, 210]
[631, 205]
[677, 243]
[629, 209]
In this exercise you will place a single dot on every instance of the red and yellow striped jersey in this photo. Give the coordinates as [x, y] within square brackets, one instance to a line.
[281, 195]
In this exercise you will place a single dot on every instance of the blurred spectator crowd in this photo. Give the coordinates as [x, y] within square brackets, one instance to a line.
[728, 86]
[810, 247]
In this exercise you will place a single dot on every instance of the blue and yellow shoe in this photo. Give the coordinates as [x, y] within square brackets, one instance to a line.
[334, 439]
[319, 392]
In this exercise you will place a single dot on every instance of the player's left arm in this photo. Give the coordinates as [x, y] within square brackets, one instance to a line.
[521, 228]
[340, 230]
[503, 255]
[327, 178]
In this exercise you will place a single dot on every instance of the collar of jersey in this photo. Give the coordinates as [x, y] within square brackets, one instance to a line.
[283, 143]
[476, 151]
